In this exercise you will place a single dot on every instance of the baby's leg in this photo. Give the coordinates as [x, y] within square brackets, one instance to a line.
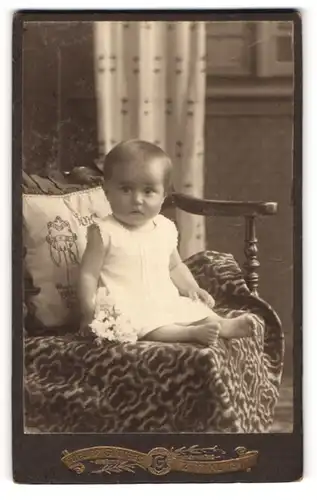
[204, 332]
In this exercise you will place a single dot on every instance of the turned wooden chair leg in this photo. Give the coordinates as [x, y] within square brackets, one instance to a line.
[251, 252]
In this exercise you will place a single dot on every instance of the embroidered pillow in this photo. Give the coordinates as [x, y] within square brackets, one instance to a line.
[54, 233]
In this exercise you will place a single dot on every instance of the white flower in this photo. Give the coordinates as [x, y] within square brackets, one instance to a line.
[110, 323]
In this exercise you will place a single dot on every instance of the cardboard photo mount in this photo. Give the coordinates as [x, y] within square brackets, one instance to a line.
[154, 457]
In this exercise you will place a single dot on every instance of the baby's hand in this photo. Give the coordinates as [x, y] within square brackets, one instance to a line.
[203, 295]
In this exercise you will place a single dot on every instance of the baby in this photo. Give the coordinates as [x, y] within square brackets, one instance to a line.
[133, 254]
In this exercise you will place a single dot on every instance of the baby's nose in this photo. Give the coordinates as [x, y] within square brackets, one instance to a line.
[137, 198]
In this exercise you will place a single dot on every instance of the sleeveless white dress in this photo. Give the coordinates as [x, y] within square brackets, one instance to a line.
[136, 273]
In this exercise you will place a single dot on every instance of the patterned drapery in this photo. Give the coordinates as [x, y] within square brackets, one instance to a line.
[150, 80]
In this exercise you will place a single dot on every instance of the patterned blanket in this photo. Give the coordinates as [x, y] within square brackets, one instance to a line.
[74, 384]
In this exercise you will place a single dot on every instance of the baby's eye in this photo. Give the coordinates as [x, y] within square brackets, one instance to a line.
[149, 190]
[125, 189]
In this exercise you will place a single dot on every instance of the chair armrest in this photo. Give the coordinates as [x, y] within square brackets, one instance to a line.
[247, 209]
[200, 206]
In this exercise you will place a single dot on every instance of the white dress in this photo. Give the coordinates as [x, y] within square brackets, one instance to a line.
[136, 273]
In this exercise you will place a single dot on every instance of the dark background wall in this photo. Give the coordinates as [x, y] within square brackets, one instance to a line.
[248, 135]
[59, 106]
[249, 157]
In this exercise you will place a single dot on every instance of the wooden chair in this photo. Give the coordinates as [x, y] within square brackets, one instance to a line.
[247, 387]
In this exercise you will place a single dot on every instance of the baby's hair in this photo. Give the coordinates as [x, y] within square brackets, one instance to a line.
[136, 150]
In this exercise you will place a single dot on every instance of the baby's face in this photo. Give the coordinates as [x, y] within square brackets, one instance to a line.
[136, 192]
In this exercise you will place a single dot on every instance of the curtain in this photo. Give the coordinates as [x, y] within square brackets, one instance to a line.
[150, 84]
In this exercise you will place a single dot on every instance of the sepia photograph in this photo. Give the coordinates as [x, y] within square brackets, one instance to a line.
[157, 168]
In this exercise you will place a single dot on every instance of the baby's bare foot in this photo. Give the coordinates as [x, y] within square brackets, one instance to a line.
[206, 333]
[240, 327]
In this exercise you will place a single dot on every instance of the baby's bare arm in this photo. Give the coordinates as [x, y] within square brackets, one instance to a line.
[89, 274]
[181, 275]
[185, 281]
